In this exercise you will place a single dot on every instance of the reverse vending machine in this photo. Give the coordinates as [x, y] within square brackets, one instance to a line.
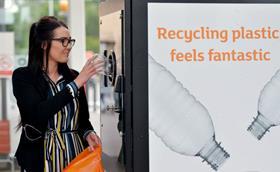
[112, 87]
[192, 85]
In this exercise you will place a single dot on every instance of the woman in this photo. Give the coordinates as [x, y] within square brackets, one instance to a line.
[51, 100]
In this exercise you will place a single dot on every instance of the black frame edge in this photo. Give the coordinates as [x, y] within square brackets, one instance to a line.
[128, 151]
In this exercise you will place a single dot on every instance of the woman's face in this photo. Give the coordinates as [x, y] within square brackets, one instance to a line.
[61, 46]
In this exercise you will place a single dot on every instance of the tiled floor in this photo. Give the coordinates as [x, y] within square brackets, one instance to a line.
[111, 164]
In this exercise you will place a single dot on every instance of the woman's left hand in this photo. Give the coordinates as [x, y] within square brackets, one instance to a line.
[93, 140]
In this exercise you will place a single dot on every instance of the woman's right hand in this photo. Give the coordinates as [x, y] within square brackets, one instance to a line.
[92, 67]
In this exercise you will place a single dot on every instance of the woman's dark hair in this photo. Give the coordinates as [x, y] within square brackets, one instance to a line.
[42, 32]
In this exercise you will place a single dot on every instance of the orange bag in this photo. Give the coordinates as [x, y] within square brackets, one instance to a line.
[87, 161]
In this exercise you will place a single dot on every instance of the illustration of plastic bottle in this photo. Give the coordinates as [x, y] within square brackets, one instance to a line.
[179, 120]
[268, 108]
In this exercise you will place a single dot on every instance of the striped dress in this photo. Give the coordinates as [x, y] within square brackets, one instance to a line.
[62, 142]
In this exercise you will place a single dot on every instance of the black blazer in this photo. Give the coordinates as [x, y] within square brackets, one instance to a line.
[35, 109]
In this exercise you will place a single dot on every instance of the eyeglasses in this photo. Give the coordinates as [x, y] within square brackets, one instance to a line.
[65, 41]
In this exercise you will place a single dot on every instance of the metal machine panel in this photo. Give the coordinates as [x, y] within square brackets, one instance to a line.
[112, 90]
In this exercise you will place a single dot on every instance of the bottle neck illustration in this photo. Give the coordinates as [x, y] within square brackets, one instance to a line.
[213, 154]
[260, 126]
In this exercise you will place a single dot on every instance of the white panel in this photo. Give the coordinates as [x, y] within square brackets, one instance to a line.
[78, 32]
[229, 89]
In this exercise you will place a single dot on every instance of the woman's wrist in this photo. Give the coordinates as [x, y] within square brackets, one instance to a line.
[78, 83]
[86, 134]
